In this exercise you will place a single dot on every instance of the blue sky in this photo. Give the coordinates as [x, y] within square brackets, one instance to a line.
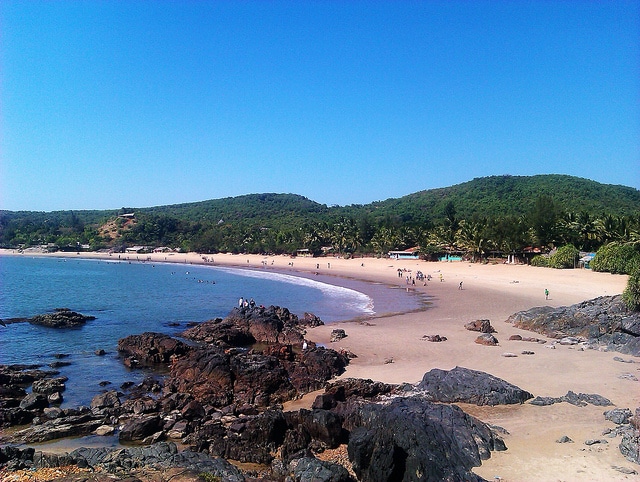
[105, 104]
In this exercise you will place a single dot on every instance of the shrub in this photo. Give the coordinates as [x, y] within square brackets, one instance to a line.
[564, 257]
[631, 294]
[616, 258]
[540, 260]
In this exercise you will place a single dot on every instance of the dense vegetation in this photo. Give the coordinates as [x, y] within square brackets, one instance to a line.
[488, 216]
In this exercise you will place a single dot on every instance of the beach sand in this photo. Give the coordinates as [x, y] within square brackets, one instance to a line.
[391, 349]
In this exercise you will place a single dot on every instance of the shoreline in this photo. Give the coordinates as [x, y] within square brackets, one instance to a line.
[391, 349]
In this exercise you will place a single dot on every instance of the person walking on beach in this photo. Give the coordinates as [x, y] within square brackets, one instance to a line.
[546, 294]
[460, 285]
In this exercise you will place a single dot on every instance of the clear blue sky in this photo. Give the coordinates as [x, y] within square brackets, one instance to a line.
[106, 104]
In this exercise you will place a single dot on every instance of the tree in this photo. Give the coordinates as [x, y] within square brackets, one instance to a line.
[543, 219]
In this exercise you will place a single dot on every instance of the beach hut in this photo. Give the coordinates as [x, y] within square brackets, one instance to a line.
[411, 253]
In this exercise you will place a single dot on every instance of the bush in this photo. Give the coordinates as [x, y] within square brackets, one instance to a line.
[631, 294]
[565, 257]
[540, 260]
[616, 258]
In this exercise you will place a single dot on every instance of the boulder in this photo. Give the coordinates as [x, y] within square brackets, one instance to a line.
[483, 326]
[34, 401]
[470, 386]
[152, 348]
[412, 436]
[487, 339]
[140, 427]
[107, 400]
[337, 335]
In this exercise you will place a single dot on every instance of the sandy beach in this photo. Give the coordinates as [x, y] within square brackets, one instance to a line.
[391, 349]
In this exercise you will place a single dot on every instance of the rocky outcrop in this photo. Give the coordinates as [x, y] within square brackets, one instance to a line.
[577, 399]
[150, 348]
[601, 322]
[129, 462]
[246, 326]
[412, 436]
[61, 318]
[470, 386]
[217, 377]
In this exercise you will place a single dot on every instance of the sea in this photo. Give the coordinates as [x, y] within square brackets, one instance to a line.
[131, 297]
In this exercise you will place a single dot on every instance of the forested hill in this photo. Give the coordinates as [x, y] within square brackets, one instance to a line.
[543, 210]
[497, 196]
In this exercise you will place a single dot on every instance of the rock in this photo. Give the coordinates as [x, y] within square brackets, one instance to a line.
[527, 352]
[595, 441]
[311, 320]
[387, 444]
[312, 469]
[107, 400]
[337, 335]
[100, 352]
[564, 440]
[622, 360]
[140, 427]
[104, 430]
[483, 326]
[579, 400]
[603, 322]
[247, 326]
[34, 401]
[163, 457]
[515, 338]
[618, 416]
[487, 339]
[434, 338]
[152, 348]
[62, 318]
[47, 386]
[624, 470]
[55, 398]
[470, 386]
[571, 340]
[509, 355]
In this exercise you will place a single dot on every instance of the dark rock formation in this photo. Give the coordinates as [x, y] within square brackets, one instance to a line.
[577, 399]
[483, 326]
[246, 326]
[630, 443]
[337, 335]
[603, 322]
[310, 468]
[411, 436]
[139, 428]
[151, 348]
[470, 386]
[126, 462]
[217, 377]
[61, 318]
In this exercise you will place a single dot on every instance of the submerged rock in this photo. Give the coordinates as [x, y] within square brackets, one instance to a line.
[61, 318]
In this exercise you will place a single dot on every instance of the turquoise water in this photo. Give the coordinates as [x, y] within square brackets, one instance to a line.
[131, 298]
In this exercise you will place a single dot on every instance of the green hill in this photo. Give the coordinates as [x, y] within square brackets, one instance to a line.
[547, 210]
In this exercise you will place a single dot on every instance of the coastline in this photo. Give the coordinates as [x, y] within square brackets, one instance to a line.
[489, 292]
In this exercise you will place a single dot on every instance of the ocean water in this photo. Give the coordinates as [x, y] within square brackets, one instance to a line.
[133, 297]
